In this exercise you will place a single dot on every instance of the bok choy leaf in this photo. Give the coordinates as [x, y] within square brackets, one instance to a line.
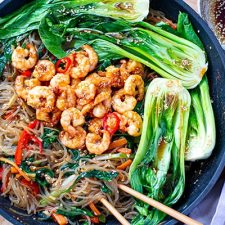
[169, 55]
[201, 129]
[28, 17]
[158, 167]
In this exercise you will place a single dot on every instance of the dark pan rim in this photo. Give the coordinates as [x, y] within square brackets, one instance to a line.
[209, 186]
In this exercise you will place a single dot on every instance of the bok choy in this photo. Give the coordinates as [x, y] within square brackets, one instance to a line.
[158, 167]
[28, 17]
[169, 55]
[201, 129]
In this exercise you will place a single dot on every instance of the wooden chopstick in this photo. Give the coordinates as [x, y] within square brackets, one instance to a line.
[119, 217]
[169, 211]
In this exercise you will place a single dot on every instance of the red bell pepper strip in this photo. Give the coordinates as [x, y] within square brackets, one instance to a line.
[111, 123]
[30, 185]
[25, 137]
[26, 73]
[1, 172]
[62, 65]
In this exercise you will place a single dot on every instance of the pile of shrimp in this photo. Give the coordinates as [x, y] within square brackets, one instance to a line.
[79, 93]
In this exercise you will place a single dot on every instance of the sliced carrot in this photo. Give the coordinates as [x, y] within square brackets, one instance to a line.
[118, 143]
[60, 219]
[124, 165]
[94, 209]
[124, 150]
[94, 219]
[13, 170]
[16, 167]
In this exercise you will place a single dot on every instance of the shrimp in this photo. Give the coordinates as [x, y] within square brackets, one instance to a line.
[60, 81]
[41, 97]
[66, 99]
[70, 119]
[75, 82]
[50, 118]
[86, 92]
[96, 126]
[131, 67]
[121, 102]
[24, 59]
[44, 70]
[96, 144]
[99, 111]
[98, 81]
[103, 95]
[82, 66]
[93, 57]
[113, 73]
[22, 86]
[134, 123]
[135, 86]
[77, 141]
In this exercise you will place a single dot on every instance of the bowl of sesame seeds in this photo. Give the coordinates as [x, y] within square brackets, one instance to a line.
[213, 12]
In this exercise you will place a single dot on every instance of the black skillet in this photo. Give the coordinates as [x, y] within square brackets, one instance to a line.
[203, 175]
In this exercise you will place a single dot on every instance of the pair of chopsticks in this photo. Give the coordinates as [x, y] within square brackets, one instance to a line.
[169, 211]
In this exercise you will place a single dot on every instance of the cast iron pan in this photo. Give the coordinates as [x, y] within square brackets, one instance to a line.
[203, 175]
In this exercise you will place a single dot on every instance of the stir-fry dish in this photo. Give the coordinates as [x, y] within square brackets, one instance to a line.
[94, 94]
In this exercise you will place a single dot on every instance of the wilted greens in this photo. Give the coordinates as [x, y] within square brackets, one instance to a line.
[158, 167]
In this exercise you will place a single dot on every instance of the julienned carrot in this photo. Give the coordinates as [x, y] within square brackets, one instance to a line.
[13, 170]
[94, 209]
[124, 150]
[60, 219]
[118, 143]
[124, 165]
[16, 167]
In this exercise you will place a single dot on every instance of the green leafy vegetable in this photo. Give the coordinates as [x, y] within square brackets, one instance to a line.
[169, 55]
[158, 167]
[41, 176]
[73, 212]
[49, 136]
[28, 17]
[201, 129]
[70, 181]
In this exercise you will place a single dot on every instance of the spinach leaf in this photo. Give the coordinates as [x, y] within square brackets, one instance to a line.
[5, 55]
[101, 175]
[49, 136]
[40, 177]
[73, 212]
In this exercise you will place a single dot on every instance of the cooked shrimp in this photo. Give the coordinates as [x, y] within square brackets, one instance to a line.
[76, 141]
[123, 122]
[44, 70]
[24, 58]
[75, 82]
[82, 66]
[22, 86]
[66, 99]
[50, 118]
[60, 81]
[134, 123]
[134, 85]
[96, 126]
[121, 102]
[70, 119]
[99, 111]
[92, 55]
[85, 92]
[103, 95]
[41, 97]
[113, 73]
[96, 144]
[98, 81]
[131, 67]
